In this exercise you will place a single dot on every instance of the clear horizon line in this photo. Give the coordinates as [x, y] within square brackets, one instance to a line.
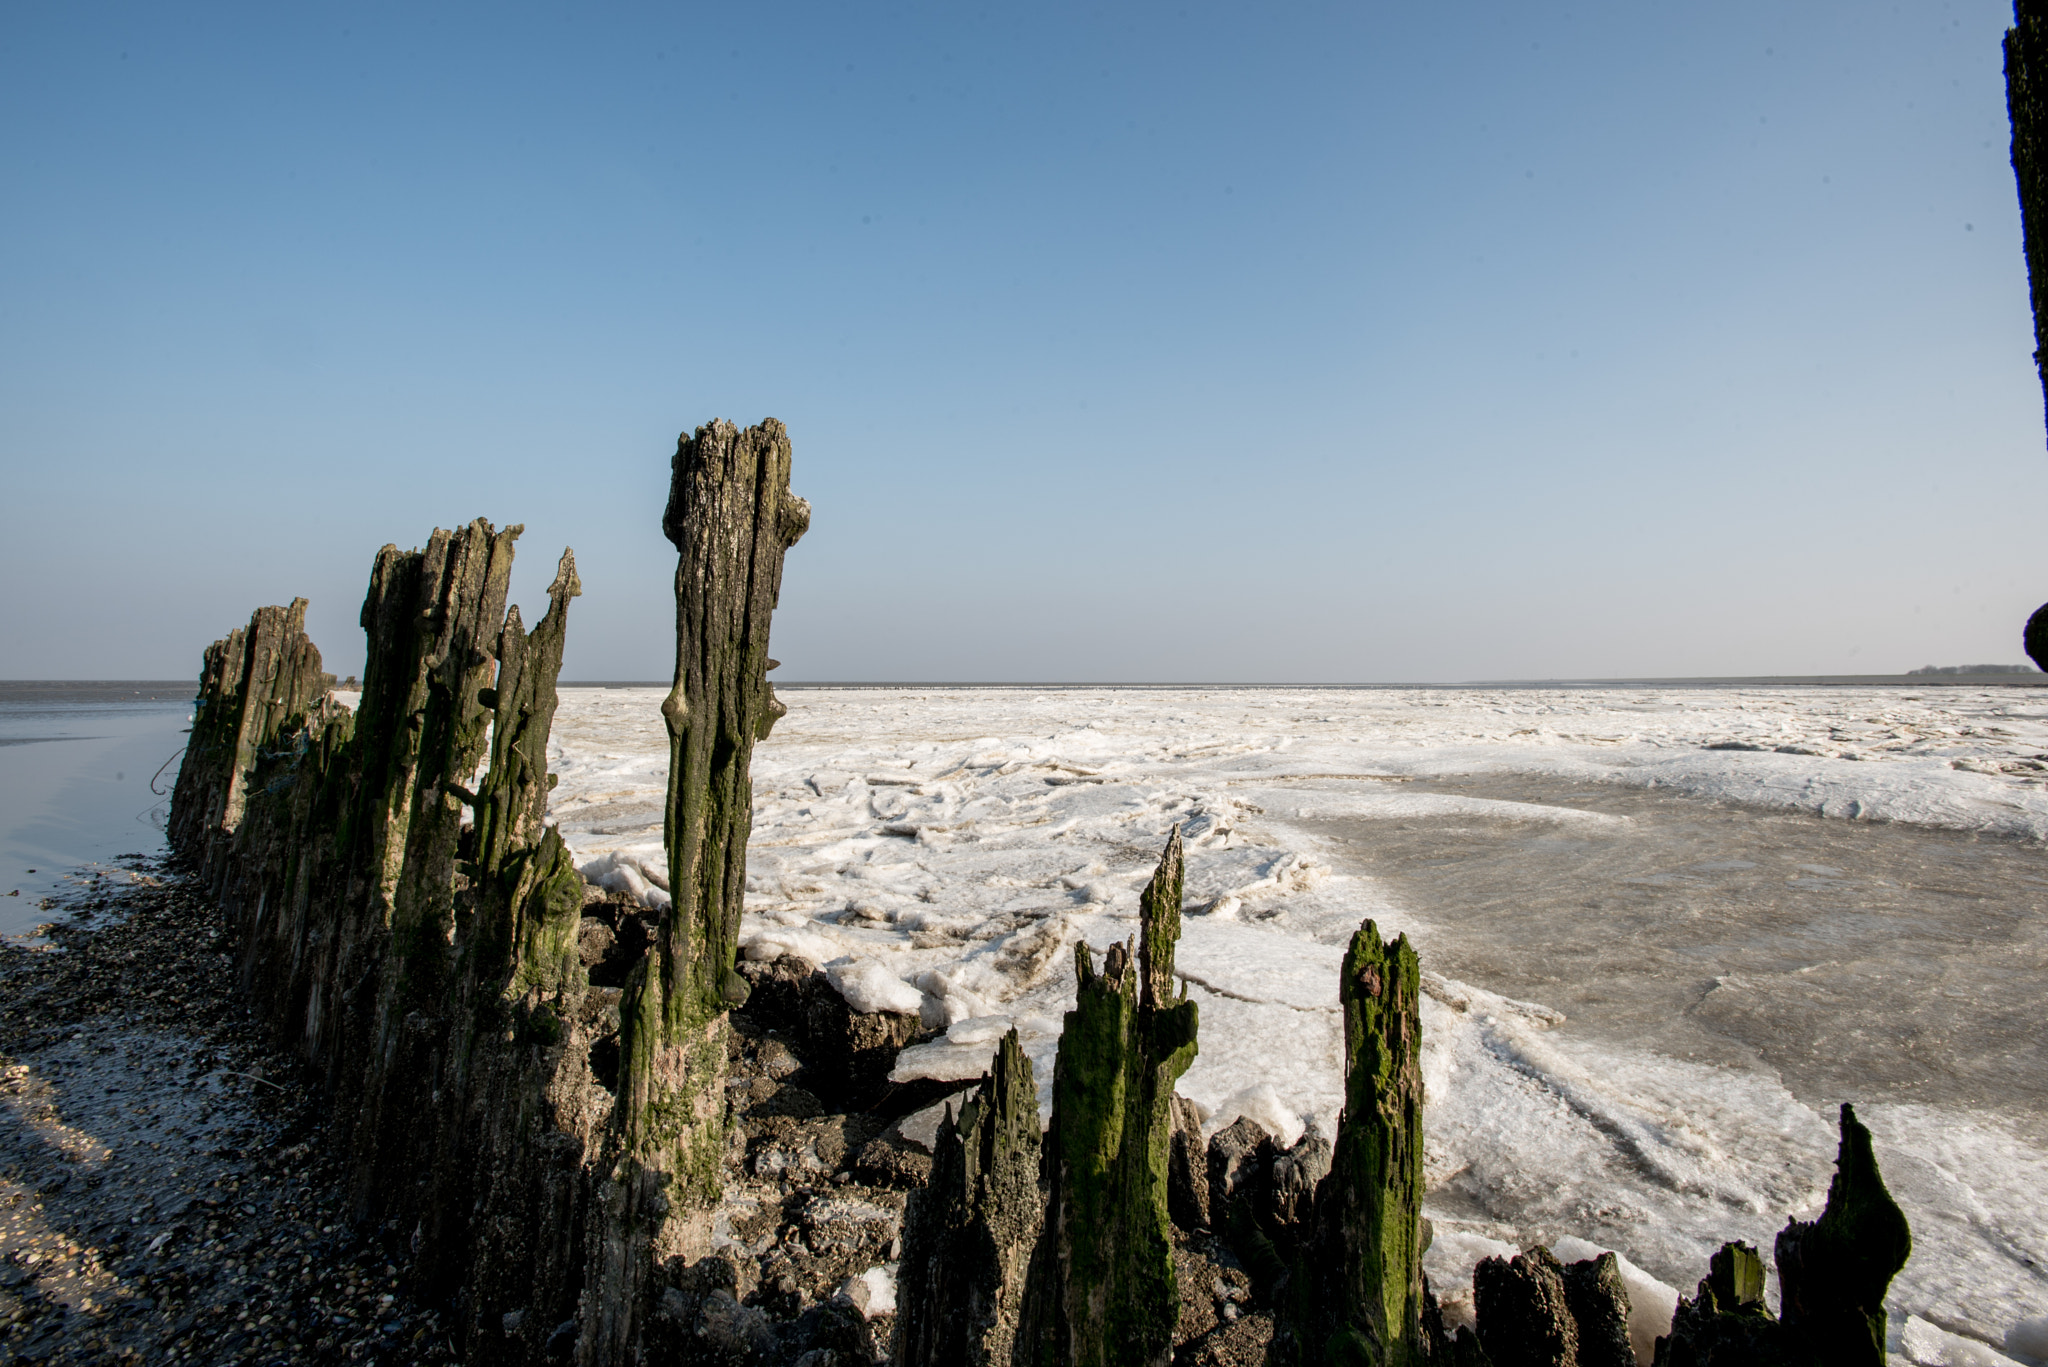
[2034, 678]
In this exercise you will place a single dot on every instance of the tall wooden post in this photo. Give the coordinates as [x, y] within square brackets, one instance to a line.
[731, 517]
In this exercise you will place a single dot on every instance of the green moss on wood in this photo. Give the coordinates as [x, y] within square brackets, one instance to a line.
[1833, 1272]
[731, 517]
[1113, 1296]
[1360, 1299]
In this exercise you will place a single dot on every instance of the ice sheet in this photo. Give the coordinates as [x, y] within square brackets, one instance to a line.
[961, 842]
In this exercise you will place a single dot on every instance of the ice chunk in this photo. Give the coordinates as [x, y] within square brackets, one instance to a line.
[803, 944]
[881, 1289]
[943, 1061]
[1925, 1345]
[2029, 1339]
[1651, 1303]
[978, 1029]
[869, 987]
[1262, 1105]
[1452, 1255]
[922, 1127]
[629, 872]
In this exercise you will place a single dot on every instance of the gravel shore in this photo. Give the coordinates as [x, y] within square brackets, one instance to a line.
[162, 1194]
[169, 1192]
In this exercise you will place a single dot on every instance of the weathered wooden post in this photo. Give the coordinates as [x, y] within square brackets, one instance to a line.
[252, 682]
[731, 517]
[530, 882]
[1112, 1299]
[2026, 103]
[1833, 1272]
[426, 967]
[968, 1236]
[1832, 1276]
[1364, 1298]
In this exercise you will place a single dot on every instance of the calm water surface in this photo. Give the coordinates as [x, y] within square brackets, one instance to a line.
[76, 764]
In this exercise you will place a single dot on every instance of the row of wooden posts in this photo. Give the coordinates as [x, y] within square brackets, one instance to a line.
[427, 969]
[1057, 1251]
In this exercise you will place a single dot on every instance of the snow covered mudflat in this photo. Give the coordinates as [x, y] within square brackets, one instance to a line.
[1663, 931]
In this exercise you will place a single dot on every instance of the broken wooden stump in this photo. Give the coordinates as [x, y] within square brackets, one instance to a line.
[1725, 1322]
[1832, 1276]
[1187, 1168]
[1358, 1297]
[1525, 1319]
[1107, 1294]
[968, 1236]
[251, 683]
[1598, 1300]
[1833, 1272]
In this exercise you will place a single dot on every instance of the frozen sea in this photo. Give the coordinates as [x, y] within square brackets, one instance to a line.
[1664, 931]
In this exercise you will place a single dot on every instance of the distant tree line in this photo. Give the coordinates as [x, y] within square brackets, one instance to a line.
[1974, 669]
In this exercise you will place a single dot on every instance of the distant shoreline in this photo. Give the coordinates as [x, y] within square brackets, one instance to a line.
[171, 689]
[2035, 680]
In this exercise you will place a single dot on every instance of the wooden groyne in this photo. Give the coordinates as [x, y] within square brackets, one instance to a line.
[414, 941]
[549, 1095]
[541, 1118]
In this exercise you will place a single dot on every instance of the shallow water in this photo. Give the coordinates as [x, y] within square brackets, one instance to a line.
[77, 761]
[1859, 961]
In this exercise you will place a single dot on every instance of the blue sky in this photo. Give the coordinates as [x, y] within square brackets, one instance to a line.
[1198, 342]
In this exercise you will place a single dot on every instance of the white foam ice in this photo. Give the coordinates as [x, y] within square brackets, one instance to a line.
[868, 987]
[946, 850]
[1928, 1345]
[641, 872]
[881, 1290]
[1260, 1104]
